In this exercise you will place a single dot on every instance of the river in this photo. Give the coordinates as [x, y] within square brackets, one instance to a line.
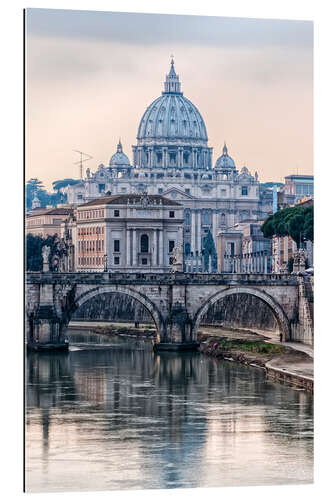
[112, 415]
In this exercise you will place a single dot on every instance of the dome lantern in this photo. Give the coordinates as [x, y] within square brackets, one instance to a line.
[119, 159]
[225, 161]
[172, 83]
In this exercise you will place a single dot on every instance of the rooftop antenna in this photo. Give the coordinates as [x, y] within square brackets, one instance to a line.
[81, 160]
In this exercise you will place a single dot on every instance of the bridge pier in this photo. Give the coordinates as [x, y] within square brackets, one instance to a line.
[45, 328]
[178, 336]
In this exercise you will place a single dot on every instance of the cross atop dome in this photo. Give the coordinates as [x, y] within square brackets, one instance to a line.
[119, 147]
[225, 149]
[172, 83]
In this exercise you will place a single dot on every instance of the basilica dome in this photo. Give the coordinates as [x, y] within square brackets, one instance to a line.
[172, 116]
[119, 159]
[225, 161]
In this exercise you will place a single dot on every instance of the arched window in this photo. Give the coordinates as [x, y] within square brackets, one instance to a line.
[144, 243]
[187, 248]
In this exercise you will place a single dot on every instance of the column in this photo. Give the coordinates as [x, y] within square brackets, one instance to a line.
[150, 157]
[164, 159]
[215, 216]
[161, 255]
[128, 247]
[199, 233]
[155, 247]
[181, 163]
[193, 232]
[135, 250]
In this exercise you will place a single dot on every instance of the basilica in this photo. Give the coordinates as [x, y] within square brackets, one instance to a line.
[172, 159]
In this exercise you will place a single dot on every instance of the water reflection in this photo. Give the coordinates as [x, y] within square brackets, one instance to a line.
[111, 414]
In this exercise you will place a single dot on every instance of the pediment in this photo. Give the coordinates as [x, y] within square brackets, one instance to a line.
[176, 194]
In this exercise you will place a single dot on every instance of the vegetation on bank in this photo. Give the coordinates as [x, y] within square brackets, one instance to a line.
[223, 344]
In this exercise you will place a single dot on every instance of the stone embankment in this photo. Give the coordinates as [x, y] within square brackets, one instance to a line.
[281, 363]
[125, 330]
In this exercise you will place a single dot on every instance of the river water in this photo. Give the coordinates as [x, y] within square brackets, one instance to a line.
[113, 415]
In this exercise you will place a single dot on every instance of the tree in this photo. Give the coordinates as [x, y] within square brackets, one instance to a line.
[33, 186]
[34, 245]
[296, 222]
[308, 224]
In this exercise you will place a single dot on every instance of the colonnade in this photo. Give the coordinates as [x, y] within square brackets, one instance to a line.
[254, 262]
[196, 229]
[151, 151]
[155, 246]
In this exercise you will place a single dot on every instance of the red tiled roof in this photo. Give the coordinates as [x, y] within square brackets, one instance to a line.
[50, 211]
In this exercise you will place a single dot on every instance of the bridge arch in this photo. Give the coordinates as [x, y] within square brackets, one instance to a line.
[278, 312]
[143, 299]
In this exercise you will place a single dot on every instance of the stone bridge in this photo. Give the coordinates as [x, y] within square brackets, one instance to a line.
[176, 301]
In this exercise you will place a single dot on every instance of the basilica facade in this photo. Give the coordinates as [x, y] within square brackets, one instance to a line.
[172, 159]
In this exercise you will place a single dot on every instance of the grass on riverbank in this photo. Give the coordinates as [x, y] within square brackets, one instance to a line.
[246, 346]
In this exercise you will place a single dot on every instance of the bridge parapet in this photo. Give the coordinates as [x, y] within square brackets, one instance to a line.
[162, 278]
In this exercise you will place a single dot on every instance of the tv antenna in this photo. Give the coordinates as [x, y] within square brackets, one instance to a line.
[81, 160]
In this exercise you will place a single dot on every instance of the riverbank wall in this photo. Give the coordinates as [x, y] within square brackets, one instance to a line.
[281, 364]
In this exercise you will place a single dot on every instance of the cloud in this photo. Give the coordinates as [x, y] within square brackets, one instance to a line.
[142, 29]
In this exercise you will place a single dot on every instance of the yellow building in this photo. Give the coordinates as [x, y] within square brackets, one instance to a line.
[46, 221]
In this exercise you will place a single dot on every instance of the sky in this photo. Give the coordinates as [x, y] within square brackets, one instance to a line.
[90, 76]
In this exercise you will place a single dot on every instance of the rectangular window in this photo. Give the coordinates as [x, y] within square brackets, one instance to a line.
[172, 214]
[171, 245]
[244, 190]
[187, 191]
[116, 261]
[160, 190]
[116, 213]
[101, 188]
[116, 245]
[123, 190]
[144, 261]
[170, 260]
[102, 245]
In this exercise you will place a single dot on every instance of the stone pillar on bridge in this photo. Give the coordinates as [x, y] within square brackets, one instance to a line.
[178, 323]
[45, 326]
